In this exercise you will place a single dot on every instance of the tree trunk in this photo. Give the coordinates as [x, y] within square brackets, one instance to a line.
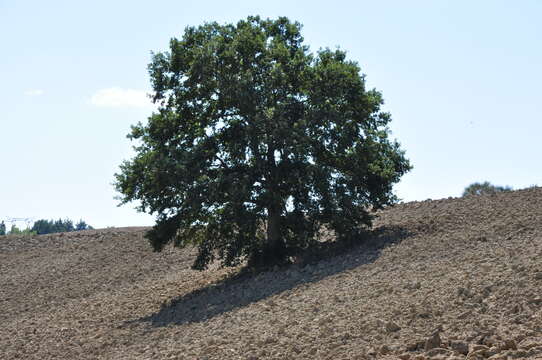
[273, 232]
[274, 246]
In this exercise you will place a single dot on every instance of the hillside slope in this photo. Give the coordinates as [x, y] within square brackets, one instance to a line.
[437, 280]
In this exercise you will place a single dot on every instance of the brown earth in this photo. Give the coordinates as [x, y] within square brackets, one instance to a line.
[446, 279]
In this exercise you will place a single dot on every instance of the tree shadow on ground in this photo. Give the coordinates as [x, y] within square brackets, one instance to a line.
[248, 287]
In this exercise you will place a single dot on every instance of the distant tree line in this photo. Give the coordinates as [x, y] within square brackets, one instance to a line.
[16, 231]
[484, 188]
[55, 226]
[43, 226]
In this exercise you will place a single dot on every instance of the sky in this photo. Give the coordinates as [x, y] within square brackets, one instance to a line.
[460, 78]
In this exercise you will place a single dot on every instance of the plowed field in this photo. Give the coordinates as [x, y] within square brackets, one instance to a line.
[445, 279]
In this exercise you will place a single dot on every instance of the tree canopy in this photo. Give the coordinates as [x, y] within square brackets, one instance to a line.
[16, 231]
[43, 226]
[257, 144]
[484, 188]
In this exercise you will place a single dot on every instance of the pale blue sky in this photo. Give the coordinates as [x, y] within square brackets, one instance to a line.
[461, 79]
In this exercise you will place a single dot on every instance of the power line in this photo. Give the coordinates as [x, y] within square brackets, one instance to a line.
[27, 221]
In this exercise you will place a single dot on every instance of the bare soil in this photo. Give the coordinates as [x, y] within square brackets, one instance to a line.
[447, 279]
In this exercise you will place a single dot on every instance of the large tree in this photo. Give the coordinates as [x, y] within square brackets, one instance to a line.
[257, 144]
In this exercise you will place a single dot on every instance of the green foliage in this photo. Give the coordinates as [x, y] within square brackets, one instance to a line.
[257, 144]
[2, 228]
[81, 225]
[484, 188]
[16, 231]
[55, 226]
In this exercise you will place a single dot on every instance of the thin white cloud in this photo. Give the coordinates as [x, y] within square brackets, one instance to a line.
[34, 92]
[119, 97]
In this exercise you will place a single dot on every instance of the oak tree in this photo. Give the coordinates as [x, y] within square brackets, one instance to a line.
[257, 143]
